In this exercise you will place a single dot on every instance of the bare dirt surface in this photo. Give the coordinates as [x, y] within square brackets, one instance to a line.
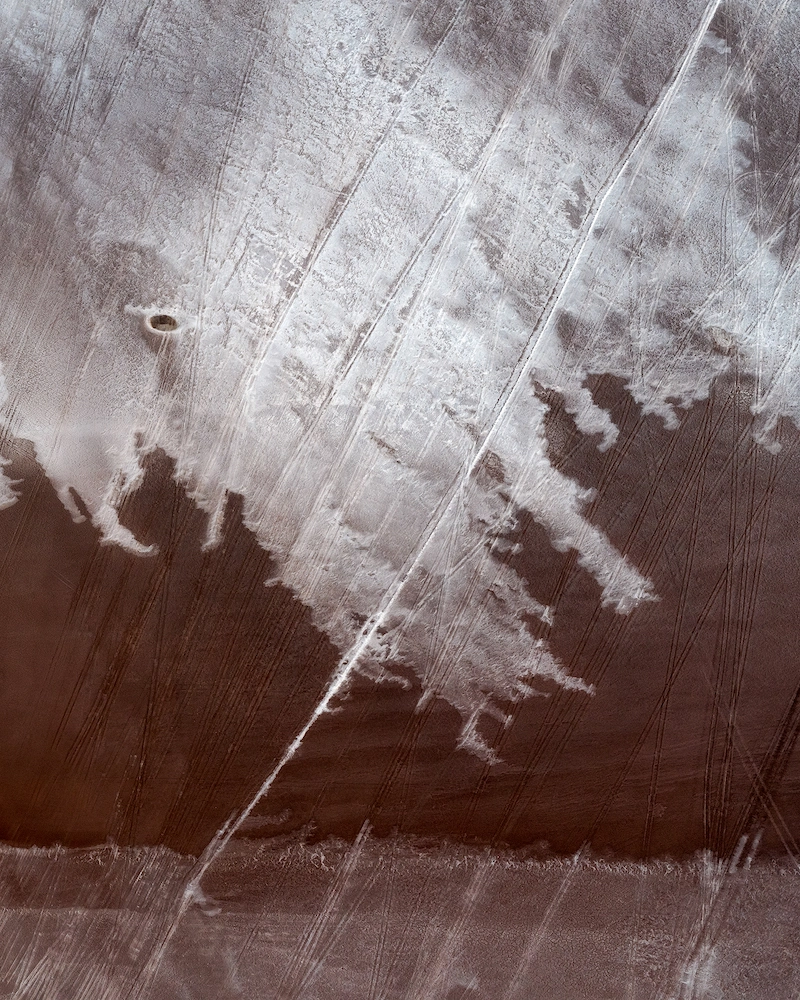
[395, 920]
[399, 485]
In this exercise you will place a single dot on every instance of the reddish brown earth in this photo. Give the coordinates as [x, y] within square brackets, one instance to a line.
[689, 741]
[145, 699]
[143, 696]
[391, 920]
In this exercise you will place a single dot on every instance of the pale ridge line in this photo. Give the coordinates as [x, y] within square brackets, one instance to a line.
[348, 662]
[649, 124]
[531, 950]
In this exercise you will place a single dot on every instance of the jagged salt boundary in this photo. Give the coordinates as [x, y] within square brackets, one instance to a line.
[342, 360]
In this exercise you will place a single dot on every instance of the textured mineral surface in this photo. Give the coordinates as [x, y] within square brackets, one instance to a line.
[399, 488]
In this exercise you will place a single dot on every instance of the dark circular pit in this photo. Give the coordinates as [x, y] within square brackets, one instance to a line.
[163, 323]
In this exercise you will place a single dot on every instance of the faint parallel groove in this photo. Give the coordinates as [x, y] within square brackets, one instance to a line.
[383, 931]
[718, 587]
[537, 937]
[346, 665]
[403, 757]
[651, 554]
[514, 803]
[459, 199]
[89, 28]
[338, 209]
[424, 983]
[317, 939]
[155, 690]
[677, 632]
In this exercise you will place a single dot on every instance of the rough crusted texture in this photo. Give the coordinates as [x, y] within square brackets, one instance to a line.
[396, 920]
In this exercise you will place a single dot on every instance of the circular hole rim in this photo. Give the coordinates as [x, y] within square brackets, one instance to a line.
[162, 322]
